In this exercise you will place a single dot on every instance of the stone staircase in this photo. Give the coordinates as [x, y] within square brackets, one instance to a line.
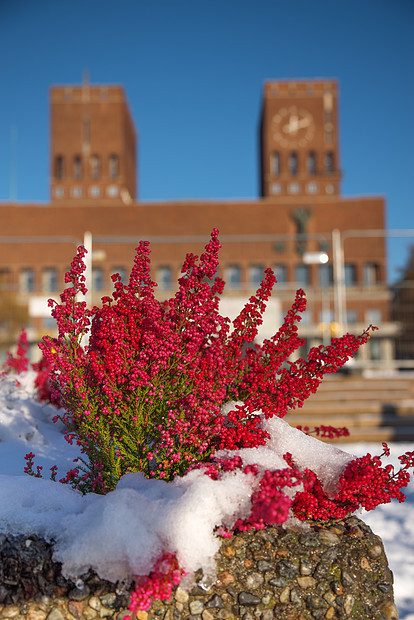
[372, 408]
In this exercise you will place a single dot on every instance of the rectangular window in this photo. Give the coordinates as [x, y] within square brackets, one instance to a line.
[49, 280]
[306, 317]
[275, 164]
[95, 167]
[280, 274]
[302, 276]
[113, 166]
[122, 272]
[311, 162]
[351, 317]
[77, 167]
[350, 274]
[48, 322]
[375, 352]
[293, 163]
[26, 280]
[326, 316]
[329, 162]
[232, 276]
[59, 167]
[5, 281]
[97, 279]
[325, 275]
[373, 316]
[371, 271]
[164, 277]
[256, 275]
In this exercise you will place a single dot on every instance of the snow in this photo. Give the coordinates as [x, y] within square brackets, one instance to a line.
[124, 532]
[308, 452]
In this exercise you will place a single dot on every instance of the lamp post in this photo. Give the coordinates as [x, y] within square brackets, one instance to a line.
[320, 258]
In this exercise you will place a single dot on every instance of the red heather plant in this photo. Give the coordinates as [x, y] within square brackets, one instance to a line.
[20, 362]
[145, 393]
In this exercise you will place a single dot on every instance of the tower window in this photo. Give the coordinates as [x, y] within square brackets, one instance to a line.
[59, 167]
[311, 161]
[76, 191]
[329, 161]
[95, 191]
[293, 163]
[275, 164]
[112, 191]
[96, 167]
[77, 167]
[113, 166]
[59, 192]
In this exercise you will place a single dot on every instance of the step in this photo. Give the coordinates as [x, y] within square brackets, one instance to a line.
[387, 434]
[364, 420]
[360, 395]
[374, 409]
[403, 407]
[362, 384]
[328, 385]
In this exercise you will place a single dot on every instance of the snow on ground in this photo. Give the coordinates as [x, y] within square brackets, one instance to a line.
[141, 517]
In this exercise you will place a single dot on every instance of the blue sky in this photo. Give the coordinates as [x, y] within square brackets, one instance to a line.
[194, 70]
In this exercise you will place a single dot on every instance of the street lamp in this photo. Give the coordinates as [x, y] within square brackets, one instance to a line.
[315, 258]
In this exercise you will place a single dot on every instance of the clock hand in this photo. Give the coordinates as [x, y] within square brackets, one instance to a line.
[292, 125]
[295, 124]
[303, 123]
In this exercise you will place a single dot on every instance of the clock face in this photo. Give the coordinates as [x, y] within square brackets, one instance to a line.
[292, 126]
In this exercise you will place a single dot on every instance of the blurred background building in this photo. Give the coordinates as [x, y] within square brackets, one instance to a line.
[331, 246]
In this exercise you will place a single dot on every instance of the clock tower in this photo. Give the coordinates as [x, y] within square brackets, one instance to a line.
[299, 139]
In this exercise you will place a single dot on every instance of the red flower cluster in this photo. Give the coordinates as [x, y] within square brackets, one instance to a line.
[29, 466]
[157, 585]
[20, 362]
[145, 394]
[325, 432]
[365, 483]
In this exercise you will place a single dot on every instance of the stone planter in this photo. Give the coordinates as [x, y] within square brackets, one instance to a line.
[332, 571]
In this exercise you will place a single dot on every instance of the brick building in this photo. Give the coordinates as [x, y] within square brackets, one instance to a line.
[301, 226]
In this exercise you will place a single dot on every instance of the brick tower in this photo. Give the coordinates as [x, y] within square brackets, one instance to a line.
[92, 145]
[299, 139]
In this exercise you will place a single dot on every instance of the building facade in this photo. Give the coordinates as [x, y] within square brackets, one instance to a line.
[300, 226]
